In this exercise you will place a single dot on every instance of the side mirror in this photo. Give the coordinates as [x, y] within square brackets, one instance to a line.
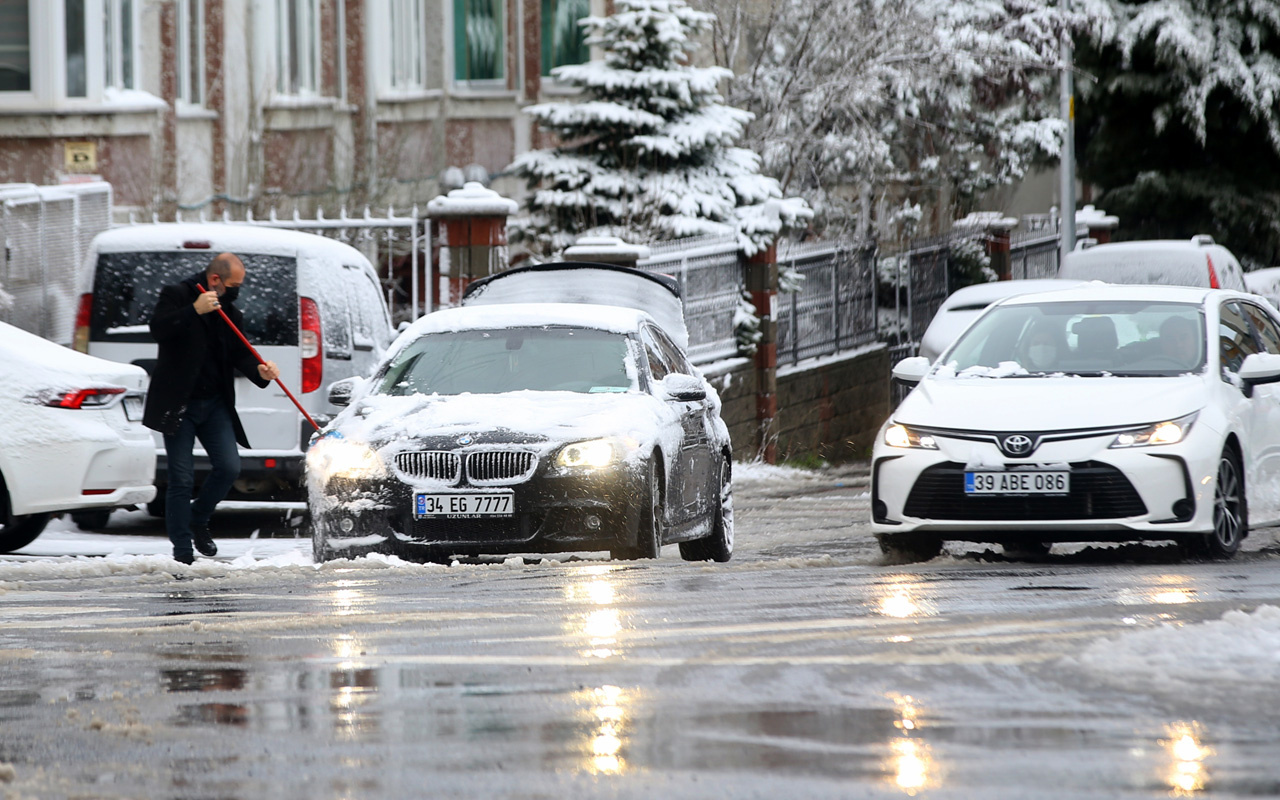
[911, 370]
[341, 392]
[685, 388]
[1258, 369]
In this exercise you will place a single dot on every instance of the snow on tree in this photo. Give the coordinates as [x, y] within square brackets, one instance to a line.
[898, 100]
[650, 148]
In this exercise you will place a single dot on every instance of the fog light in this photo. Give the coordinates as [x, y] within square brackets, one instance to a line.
[879, 511]
[593, 522]
[347, 524]
[1183, 509]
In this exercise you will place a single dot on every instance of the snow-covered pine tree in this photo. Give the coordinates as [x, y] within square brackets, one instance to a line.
[649, 150]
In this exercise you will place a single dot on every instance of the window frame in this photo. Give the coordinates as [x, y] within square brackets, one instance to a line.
[32, 55]
[457, 42]
[306, 26]
[113, 44]
[190, 11]
[402, 48]
[548, 37]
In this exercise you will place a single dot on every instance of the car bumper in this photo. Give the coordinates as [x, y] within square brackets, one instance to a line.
[263, 475]
[1162, 492]
[596, 510]
[118, 473]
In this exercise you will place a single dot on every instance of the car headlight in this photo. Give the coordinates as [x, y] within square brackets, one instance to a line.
[339, 458]
[902, 436]
[591, 454]
[1168, 432]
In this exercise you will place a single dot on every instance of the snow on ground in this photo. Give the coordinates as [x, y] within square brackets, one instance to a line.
[1240, 649]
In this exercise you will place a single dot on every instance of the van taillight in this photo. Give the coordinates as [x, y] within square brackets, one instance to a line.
[80, 337]
[311, 346]
[1213, 274]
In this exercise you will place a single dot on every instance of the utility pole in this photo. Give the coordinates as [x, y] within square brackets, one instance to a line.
[1067, 161]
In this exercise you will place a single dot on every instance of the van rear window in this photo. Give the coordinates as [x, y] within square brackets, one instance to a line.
[127, 285]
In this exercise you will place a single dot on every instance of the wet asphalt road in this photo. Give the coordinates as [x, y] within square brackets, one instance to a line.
[805, 668]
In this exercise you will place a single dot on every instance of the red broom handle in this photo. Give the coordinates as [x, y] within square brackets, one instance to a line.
[233, 327]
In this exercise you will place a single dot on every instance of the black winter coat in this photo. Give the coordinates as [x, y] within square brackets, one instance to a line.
[185, 342]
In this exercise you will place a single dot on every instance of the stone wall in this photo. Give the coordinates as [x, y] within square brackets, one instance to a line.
[830, 408]
[833, 407]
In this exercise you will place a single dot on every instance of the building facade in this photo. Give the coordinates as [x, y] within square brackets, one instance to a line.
[213, 105]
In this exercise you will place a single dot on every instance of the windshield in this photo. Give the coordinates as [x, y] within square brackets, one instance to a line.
[1088, 338]
[127, 285]
[510, 360]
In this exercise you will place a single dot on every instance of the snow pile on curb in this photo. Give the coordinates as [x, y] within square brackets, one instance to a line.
[1240, 648]
[757, 472]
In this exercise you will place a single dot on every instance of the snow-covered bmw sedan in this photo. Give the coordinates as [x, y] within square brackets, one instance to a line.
[1103, 413]
[525, 428]
[72, 438]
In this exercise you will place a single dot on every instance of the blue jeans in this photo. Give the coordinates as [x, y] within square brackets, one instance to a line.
[208, 419]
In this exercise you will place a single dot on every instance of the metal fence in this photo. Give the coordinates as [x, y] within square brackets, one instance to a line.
[46, 232]
[1034, 254]
[710, 273]
[399, 248]
[834, 308]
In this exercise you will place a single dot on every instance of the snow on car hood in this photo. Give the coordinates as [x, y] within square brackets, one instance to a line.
[32, 364]
[1049, 403]
[550, 418]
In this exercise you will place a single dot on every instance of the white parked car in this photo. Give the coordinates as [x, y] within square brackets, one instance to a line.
[963, 306]
[1103, 413]
[72, 438]
[1265, 282]
[1197, 261]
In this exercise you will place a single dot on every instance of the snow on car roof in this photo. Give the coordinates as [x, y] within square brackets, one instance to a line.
[987, 293]
[1096, 290]
[37, 362]
[221, 236]
[530, 315]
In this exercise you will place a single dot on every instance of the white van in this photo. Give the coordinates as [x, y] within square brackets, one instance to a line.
[1172, 262]
[312, 305]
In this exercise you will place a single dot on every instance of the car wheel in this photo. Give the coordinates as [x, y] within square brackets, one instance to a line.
[1230, 510]
[91, 520]
[905, 548]
[719, 545]
[17, 531]
[320, 550]
[649, 535]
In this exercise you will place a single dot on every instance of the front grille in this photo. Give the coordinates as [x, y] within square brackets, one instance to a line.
[499, 466]
[435, 465]
[1098, 491]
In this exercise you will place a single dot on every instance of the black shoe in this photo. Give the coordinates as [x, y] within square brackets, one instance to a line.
[184, 558]
[204, 542]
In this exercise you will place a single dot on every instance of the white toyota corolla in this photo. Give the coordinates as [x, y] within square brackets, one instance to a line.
[72, 437]
[1103, 413]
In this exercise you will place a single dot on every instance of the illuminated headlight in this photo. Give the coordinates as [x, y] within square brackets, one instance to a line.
[902, 436]
[591, 454]
[1169, 432]
[338, 458]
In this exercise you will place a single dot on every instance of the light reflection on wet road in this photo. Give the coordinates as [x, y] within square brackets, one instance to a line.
[805, 668]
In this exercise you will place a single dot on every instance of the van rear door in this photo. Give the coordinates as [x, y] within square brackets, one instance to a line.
[126, 286]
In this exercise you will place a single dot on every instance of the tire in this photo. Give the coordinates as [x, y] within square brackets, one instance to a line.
[1230, 511]
[95, 520]
[17, 531]
[320, 551]
[718, 546]
[1027, 549]
[650, 532]
[905, 548]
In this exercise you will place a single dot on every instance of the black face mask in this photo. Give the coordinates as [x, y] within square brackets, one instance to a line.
[230, 294]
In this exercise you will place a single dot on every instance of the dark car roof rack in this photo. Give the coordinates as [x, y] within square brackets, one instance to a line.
[665, 281]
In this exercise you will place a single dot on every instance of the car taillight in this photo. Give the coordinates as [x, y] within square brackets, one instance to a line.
[312, 346]
[82, 398]
[1213, 273]
[80, 337]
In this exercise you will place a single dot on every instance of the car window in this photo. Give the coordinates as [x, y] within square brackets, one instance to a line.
[368, 321]
[670, 352]
[126, 286]
[510, 360]
[1235, 340]
[1263, 326]
[660, 364]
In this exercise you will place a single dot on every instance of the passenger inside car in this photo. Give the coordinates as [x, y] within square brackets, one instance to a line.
[1042, 347]
[1096, 341]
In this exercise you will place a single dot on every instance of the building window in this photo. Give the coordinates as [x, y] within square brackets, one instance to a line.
[297, 46]
[563, 39]
[191, 51]
[478, 50]
[77, 60]
[15, 46]
[117, 42]
[408, 34]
